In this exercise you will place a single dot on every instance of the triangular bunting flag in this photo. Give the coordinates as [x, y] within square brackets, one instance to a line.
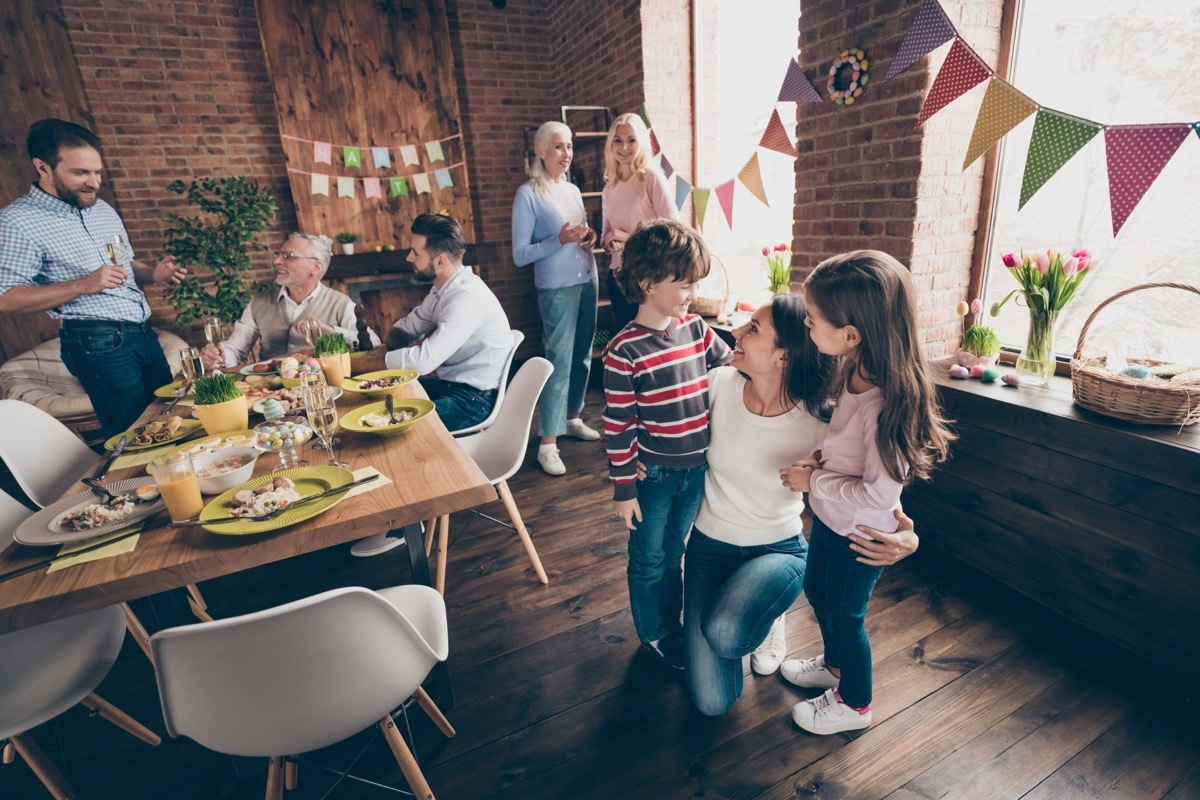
[751, 178]
[320, 184]
[930, 30]
[381, 157]
[322, 153]
[700, 203]
[1003, 107]
[796, 88]
[408, 154]
[645, 117]
[443, 178]
[421, 182]
[345, 187]
[654, 146]
[775, 137]
[351, 157]
[667, 169]
[371, 188]
[1056, 138]
[724, 194]
[1196, 127]
[1136, 154]
[434, 151]
[961, 71]
[398, 186]
[682, 190]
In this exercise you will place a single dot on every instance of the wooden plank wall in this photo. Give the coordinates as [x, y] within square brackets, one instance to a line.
[1097, 519]
[39, 78]
[365, 74]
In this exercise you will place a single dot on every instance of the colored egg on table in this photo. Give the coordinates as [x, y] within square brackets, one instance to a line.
[960, 372]
[1012, 379]
[977, 371]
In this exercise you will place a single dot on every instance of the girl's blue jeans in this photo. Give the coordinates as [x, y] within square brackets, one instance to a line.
[568, 332]
[731, 596]
[669, 499]
[838, 588]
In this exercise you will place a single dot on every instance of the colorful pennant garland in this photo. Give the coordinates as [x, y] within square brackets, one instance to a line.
[682, 190]
[796, 88]
[1056, 138]
[961, 71]
[930, 30]
[724, 194]
[776, 138]
[1003, 109]
[1136, 154]
[751, 178]
[665, 166]
[397, 186]
[700, 203]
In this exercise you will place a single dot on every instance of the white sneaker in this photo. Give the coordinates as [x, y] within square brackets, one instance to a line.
[577, 429]
[550, 462]
[809, 673]
[828, 714]
[767, 657]
[376, 545]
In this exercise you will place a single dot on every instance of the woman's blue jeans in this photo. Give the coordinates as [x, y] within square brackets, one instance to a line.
[731, 596]
[838, 588]
[568, 332]
[669, 499]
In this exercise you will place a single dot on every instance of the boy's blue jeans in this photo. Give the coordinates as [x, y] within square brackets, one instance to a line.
[669, 499]
[838, 588]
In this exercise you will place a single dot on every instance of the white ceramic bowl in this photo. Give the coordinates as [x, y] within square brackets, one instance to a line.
[226, 480]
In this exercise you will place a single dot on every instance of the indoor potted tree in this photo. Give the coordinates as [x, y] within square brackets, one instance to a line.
[220, 404]
[347, 240]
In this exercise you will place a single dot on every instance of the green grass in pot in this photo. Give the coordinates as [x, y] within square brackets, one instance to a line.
[981, 341]
[213, 389]
[329, 344]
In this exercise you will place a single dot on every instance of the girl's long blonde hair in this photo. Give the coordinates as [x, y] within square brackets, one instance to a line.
[542, 182]
[641, 160]
[873, 292]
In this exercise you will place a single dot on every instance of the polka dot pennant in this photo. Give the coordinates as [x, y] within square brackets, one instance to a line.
[961, 71]
[1003, 107]
[667, 169]
[724, 194]
[796, 88]
[1056, 139]
[654, 146]
[682, 190]
[1135, 155]
[930, 30]
[776, 138]
[751, 178]
[700, 204]
[1196, 128]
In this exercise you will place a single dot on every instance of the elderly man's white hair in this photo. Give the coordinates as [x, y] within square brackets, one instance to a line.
[322, 247]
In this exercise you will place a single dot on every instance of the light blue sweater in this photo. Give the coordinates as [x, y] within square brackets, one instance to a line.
[535, 227]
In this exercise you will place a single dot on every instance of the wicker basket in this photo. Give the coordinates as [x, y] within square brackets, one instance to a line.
[713, 306]
[1147, 402]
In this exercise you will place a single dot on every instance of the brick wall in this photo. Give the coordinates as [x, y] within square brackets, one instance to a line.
[866, 178]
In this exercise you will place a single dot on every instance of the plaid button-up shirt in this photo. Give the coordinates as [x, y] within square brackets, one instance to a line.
[44, 240]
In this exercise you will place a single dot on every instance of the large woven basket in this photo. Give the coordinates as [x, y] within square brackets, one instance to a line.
[1144, 401]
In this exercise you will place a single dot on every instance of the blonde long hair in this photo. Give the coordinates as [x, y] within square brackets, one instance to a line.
[874, 292]
[641, 159]
[542, 182]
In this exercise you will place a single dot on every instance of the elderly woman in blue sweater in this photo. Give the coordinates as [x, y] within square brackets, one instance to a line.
[550, 231]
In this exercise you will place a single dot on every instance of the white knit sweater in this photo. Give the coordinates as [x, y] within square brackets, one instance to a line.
[744, 502]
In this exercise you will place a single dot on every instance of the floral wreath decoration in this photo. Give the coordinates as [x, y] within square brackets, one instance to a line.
[855, 62]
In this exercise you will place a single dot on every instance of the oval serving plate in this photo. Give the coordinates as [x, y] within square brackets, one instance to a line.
[309, 480]
[187, 428]
[43, 528]
[353, 383]
[352, 421]
[249, 368]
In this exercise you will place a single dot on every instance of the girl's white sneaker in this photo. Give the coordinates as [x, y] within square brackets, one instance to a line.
[810, 673]
[828, 714]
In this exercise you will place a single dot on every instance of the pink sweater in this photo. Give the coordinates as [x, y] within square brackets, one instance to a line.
[626, 203]
[852, 487]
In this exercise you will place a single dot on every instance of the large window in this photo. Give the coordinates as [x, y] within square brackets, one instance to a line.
[1115, 63]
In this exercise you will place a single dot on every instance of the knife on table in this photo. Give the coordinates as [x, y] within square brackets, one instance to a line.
[108, 462]
[187, 523]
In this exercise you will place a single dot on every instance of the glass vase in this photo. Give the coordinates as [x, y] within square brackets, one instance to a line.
[1036, 363]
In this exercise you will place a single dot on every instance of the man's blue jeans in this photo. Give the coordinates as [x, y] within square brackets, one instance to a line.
[459, 405]
[568, 332]
[119, 365]
[669, 499]
[731, 596]
[838, 588]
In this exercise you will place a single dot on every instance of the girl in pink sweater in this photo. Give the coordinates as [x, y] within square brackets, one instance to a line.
[634, 191]
[886, 429]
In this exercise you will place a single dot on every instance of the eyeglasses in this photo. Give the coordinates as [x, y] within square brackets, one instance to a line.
[288, 255]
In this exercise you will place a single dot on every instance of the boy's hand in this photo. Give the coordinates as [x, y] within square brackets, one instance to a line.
[798, 476]
[628, 510]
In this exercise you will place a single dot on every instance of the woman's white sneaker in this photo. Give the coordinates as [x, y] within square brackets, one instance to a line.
[810, 673]
[828, 714]
[578, 429]
[767, 657]
[550, 462]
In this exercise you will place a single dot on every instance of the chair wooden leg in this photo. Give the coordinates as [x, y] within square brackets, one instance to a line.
[430, 531]
[291, 773]
[137, 631]
[197, 603]
[275, 778]
[435, 713]
[519, 524]
[443, 546]
[119, 718]
[42, 767]
[10, 753]
[404, 757]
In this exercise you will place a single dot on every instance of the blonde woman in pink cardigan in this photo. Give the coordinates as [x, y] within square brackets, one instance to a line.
[634, 191]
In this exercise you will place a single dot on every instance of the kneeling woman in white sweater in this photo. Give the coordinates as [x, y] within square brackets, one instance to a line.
[746, 556]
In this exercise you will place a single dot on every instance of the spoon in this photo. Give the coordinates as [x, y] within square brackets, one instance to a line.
[390, 403]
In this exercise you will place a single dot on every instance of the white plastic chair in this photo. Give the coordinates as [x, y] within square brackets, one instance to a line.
[46, 669]
[499, 451]
[304, 675]
[517, 338]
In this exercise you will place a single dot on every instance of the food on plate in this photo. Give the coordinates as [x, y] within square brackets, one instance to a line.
[222, 465]
[278, 493]
[97, 514]
[281, 434]
[288, 398]
[384, 420]
[159, 430]
[239, 440]
[262, 368]
[147, 493]
[381, 383]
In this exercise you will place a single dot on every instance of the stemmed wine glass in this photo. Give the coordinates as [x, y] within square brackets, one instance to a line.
[114, 250]
[311, 328]
[322, 416]
[192, 364]
[212, 330]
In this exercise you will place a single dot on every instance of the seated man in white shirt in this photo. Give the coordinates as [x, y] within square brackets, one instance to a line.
[459, 329]
[276, 314]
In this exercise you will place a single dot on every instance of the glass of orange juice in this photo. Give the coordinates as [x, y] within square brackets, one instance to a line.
[179, 486]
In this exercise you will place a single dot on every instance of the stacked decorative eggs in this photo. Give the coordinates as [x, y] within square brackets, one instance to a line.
[291, 368]
[282, 433]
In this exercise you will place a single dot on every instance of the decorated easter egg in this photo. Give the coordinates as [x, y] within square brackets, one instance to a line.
[958, 371]
[990, 374]
[977, 371]
[1136, 371]
[1012, 379]
[312, 362]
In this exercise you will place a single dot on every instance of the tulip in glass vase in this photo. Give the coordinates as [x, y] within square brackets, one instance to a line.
[779, 268]
[1048, 281]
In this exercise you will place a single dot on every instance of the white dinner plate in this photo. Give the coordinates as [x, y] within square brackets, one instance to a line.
[43, 527]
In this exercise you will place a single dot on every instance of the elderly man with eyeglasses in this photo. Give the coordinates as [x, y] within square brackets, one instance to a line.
[278, 315]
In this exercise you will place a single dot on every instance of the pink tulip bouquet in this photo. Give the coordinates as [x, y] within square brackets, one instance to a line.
[1048, 280]
[779, 268]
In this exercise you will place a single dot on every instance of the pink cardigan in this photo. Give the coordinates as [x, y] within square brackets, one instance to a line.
[626, 203]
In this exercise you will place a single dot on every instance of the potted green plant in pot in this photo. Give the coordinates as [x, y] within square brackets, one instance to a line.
[347, 240]
[220, 404]
[215, 245]
[334, 354]
[980, 344]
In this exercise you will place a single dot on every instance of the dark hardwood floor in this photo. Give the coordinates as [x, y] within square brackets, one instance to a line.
[978, 692]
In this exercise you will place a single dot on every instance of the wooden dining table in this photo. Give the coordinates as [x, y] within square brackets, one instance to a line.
[430, 475]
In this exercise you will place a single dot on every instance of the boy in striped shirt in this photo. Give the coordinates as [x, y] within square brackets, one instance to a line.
[656, 390]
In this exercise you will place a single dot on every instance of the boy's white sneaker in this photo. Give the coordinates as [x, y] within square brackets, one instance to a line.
[810, 673]
[828, 714]
[578, 429]
[767, 657]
